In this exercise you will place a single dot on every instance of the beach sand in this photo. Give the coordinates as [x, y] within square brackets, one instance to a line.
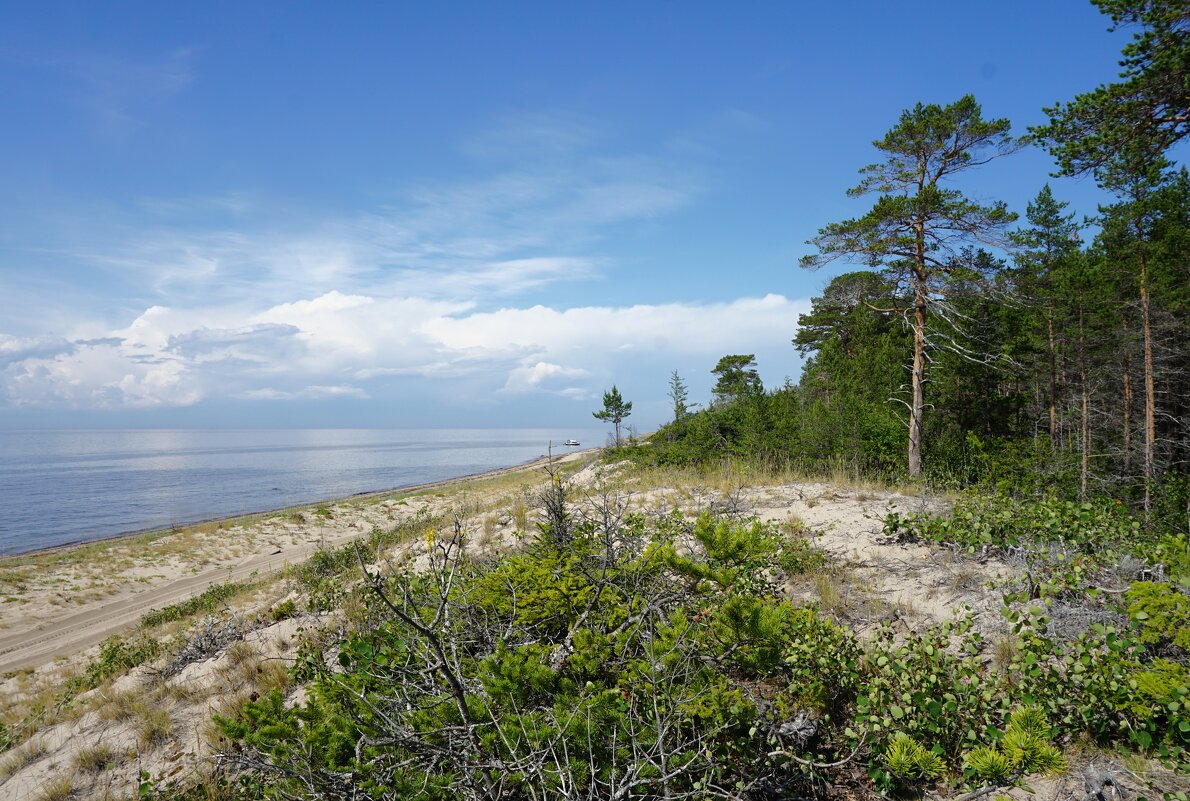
[59, 602]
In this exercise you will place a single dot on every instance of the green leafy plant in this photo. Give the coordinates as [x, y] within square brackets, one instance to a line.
[116, 656]
[930, 685]
[207, 601]
[283, 610]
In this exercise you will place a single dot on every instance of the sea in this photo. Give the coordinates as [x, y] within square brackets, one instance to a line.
[61, 487]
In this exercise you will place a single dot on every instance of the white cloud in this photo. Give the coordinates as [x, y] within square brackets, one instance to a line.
[674, 327]
[306, 393]
[529, 377]
[340, 345]
[17, 349]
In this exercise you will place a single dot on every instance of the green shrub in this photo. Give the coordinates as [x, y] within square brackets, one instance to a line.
[1098, 686]
[205, 602]
[116, 656]
[1173, 551]
[932, 686]
[580, 666]
[796, 555]
[823, 660]
[1161, 613]
[1067, 545]
[997, 521]
[283, 611]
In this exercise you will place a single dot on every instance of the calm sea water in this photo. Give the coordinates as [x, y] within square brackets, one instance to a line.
[59, 487]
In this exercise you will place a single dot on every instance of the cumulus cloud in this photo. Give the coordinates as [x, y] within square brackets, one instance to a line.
[254, 344]
[673, 327]
[345, 346]
[17, 349]
[532, 376]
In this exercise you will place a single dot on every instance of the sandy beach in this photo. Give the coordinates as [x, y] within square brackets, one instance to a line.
[64, 600]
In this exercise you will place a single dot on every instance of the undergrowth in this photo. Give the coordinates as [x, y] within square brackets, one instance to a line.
[579, 666]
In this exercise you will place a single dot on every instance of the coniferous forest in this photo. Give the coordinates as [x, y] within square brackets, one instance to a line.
[1040, 351]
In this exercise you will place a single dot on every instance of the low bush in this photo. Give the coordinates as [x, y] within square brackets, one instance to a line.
[208, 601]
[555, 672]
[657, 657]
[116, 657]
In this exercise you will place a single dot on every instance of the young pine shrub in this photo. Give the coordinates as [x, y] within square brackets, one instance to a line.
[1024, 750]
[908, 765]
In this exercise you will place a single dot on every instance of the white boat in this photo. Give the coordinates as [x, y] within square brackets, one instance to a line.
[573, 443]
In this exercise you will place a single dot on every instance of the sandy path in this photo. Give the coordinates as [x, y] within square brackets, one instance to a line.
[81, 630]
[67, 632]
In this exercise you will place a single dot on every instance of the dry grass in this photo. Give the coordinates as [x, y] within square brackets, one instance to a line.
[1004, 652]
[154, 725]
[272, 674]
[489, 531]
[190, 692]
[965, 578]
[241, 652]
[94, 758]
[239, 665]
[37, 696]
[20, 758]
[56, 789]
[116, 707]
[830, 595]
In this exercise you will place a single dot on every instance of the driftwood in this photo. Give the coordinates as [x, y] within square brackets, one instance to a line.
[1100, 783]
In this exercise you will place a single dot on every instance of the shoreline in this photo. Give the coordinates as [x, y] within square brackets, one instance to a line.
[247, 517]
[60, 601]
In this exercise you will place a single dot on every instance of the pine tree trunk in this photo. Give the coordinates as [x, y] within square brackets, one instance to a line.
[1053, 378]
[1127, 367]
[917, 404]
[1085, 422]
[1150, 388]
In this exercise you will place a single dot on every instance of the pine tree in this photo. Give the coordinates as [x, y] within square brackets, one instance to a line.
[918, 231]
[614, 410]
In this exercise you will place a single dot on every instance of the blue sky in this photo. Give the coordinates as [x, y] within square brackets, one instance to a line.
[411, 214]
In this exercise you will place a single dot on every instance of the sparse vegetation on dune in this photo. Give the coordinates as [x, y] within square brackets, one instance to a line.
[746, 627]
